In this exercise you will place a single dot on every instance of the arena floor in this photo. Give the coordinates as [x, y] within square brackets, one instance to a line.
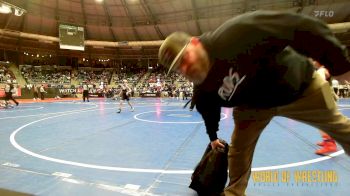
[68, 147]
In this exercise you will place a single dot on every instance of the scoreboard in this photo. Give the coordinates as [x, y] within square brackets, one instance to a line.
[71, 37]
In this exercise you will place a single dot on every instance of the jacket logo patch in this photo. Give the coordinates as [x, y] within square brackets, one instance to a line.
[229, 85]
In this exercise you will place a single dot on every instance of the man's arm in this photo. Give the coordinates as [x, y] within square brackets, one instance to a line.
[307, 35]
[313, 38]
[262, 33]
[210, 110]
[128, 89]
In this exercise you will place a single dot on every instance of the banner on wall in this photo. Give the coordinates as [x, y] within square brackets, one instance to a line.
[150, 94]
[17, 92]
[67, 91]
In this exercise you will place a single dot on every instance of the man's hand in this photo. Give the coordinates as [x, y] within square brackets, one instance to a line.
[216, 144]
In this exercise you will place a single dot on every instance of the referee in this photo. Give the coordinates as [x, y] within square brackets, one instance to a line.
[85, 91]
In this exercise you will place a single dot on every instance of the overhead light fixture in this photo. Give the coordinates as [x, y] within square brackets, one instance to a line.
[5, 9]
[19, 12]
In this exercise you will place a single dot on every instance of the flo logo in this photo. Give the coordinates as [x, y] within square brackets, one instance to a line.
[229, 85]
[324, 13]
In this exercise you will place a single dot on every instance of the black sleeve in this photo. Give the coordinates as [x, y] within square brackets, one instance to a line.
[307, 35]
[210, 109]
[195, 94]
[313, 38]
[274, 29]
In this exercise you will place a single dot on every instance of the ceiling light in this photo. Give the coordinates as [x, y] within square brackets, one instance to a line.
[19, 12]
[5, 9]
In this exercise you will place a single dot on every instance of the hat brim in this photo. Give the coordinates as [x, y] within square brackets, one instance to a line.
[177, 59]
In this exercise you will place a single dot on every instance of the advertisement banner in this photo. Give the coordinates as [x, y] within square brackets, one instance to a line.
[150, 95]
[2, 92]
[67, 91]
[17, 92]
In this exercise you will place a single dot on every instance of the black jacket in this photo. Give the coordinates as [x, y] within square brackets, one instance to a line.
[259, 60]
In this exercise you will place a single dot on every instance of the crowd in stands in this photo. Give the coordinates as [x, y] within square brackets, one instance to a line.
[104, 81]
[131, 78]
[172, 86]
[6, 74]
[35, 75]
[141, 82]
[95, 77]
[150, 81]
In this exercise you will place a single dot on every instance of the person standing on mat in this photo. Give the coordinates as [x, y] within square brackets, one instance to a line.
[8, 93]
[42, 92]
[256, 63]
[328, 144]
[124, 96]
[35, 92]
[85, 91]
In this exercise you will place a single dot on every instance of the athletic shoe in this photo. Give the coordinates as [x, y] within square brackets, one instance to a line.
[321, 143]
[325, 138]
[327, 148]
[119, 111]
[132, 109]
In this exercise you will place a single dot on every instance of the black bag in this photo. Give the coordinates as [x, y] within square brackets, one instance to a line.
[210, 175]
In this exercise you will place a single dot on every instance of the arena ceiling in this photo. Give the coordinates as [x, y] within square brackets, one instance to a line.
[140, 24]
